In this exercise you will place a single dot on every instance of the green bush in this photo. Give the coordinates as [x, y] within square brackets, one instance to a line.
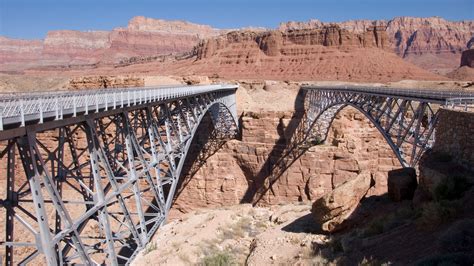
[445, 260]
[218, 259]
[459, 237]
[451, 188]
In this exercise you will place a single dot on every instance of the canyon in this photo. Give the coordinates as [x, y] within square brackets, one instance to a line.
[224, 202]
[432, 44]
[142, 37]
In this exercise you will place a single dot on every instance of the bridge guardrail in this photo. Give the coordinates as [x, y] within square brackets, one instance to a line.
[22, 107]
[465, 104]
[440, 96]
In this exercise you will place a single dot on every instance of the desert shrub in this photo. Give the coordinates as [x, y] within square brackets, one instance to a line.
[459, 237]
[451, 188]
[150, 247]
[240, 229]
[436, 213]
[218, 259]
[445, 260]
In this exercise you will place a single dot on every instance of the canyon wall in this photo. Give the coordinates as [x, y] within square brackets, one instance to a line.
[232, 174]
[432, 43]
[142, 37]
[326, 53]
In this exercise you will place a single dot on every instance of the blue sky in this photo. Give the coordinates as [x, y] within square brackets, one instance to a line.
[29, 19]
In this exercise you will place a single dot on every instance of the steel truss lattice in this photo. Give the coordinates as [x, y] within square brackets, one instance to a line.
[406, 118]
[94, 188]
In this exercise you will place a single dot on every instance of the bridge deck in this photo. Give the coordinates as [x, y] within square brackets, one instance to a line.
[445, 97]
[18, 110]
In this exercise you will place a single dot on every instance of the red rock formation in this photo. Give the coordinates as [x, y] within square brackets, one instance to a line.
[432, 43]
[227, 176]
[142, 37]
[327, 53]
[74, 47]
[16, 54]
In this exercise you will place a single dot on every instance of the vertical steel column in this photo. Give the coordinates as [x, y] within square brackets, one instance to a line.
[27, 154]
[11, 201]
[99, 197]
[134, 178]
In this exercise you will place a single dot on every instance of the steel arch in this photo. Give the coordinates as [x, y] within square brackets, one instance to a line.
[97, 186]
[406, 118]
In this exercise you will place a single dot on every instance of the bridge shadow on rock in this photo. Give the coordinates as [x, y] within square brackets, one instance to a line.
[206, 143]
[378, 231]
[422, 231]
[290, 146]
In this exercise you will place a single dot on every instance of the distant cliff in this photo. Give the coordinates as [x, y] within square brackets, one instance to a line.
[431, 43]
[142, 37]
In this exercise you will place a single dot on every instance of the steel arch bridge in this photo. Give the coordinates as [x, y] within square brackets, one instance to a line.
[405, 117]
[99, 168]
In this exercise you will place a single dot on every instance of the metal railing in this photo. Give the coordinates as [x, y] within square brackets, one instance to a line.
[22, 108]
[433, 95]
[465, 104]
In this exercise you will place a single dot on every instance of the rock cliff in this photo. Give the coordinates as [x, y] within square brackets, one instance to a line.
[432, 43]
[326, 53]
[233, 173]
[142, 37]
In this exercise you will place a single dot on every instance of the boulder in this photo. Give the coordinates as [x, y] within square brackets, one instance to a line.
[402, 184]
[331, 210]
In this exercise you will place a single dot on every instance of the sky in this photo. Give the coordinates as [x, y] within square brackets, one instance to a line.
[32, 19]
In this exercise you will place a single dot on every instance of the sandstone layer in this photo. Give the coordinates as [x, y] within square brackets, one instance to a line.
[432, 43]
[303, 50]
[142, 38]
[328, 53]
[235, 172]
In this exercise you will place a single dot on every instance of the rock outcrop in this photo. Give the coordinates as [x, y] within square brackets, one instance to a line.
[275, 43]
[334, 208]
[432, 43]
[142, 37]
[17, 54]
[327, 53]
[233, 173]
[95, 82]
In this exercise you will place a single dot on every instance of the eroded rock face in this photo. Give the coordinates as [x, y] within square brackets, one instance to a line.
[98, 82]
[432, 43]
[15, 54]
[236, 171]
[274, 43]
[142, 37]
[327, 53]
[333, 209]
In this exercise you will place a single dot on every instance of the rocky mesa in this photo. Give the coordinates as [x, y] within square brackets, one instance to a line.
[142, 37]
[432, 43]
[329, 52]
